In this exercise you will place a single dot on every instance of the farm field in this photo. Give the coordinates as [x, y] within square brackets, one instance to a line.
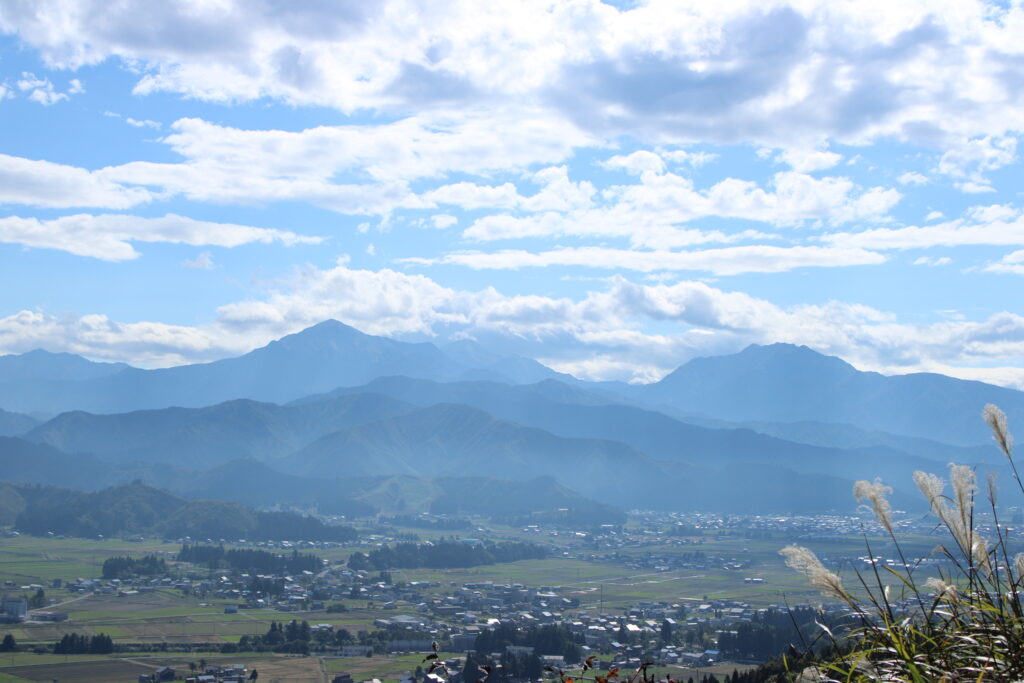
[273, 668]
[611, 583]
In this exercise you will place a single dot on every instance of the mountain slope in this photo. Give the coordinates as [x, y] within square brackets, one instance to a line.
[15, 424]
[202, 437]
[456, 440]
[317, 359]
[46, 366]
[786, 383]
[568, 411]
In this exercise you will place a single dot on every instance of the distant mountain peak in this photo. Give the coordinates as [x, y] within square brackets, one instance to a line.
[329, 329]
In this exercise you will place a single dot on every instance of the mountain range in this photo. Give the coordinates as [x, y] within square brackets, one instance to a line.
[331, 411]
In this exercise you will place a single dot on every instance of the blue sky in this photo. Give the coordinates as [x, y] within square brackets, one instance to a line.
[612, 189]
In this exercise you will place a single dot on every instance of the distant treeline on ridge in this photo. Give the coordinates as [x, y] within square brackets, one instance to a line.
[137, 509]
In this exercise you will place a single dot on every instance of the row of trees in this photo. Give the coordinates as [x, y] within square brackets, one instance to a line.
[445, 555]
[249, 560]
[74, 644]
[127, 566]
[294, 637]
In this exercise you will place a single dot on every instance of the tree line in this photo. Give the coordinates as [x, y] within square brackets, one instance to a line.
[75, 644]
[249, 560]
[127, 566]
[445, 554]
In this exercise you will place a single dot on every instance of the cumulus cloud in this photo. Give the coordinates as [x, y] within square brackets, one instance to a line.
[109, 236]
[599, 334]
[49, 185]
[912, 178]
[922, 71]
[1012, 263]
[443, 220]
[636, 163]
[968, 161]
[481, 107]
[42, 90]
[145, 344]
[650, 212]
[351, 169]
[688, 158]
[809, 160]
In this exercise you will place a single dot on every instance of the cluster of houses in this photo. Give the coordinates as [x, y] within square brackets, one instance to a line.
[235, 673]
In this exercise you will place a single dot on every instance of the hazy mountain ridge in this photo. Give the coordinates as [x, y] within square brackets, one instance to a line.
[256, 484]
[212, 435]
[550, 406]
[786, 383]
[317, 359]
[597, 439]
[16, 424]
[135, 508]
[451, 439]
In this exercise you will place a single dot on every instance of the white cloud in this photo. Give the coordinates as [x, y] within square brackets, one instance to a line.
[912, 178]
[42, 90]
[723, 261]
[443, 220]
[809, 160]
[471, 196]
[934, 216]
[204, 261]
[1012, 263]
[145, 344]
[352, 169]
[694, 159]
[599, 333]
[109, 236]
[932, 261]
[650, 212]
[144, 123]
[923, 70]
[998, 225]
[972, 187]
[635, 163]
[969, 159]
[49, 185]
[39, 90]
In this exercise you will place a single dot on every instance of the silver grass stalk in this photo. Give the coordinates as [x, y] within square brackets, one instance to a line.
[964, 487]
[943, 590]
[932, 486]
[1018, 564]
[996, 419]
[807, 563]
[980, 555]
[875, 493]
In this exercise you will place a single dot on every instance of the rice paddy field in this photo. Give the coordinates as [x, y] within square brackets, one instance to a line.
[167, 616]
